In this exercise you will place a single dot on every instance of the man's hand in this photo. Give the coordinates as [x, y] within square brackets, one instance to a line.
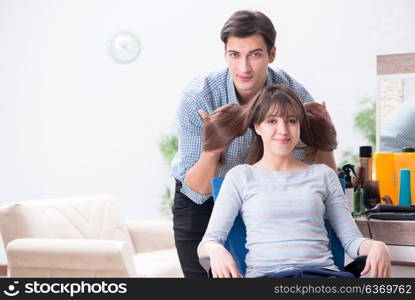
[318, 109]
[205, 118]
[203, 114]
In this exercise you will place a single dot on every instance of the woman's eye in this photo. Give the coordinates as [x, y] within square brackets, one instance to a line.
[292, 121]
[272, 121]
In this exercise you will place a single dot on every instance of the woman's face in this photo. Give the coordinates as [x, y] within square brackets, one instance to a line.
[279, 134]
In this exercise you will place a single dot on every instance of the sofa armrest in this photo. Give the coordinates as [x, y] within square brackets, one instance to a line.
[71, 254]
[151, 235]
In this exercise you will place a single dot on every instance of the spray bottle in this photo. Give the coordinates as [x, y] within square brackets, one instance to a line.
[347, 168]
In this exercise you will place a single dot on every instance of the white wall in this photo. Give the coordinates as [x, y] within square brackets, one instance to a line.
[73, 122]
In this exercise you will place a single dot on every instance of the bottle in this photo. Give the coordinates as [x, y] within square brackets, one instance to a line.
[384, 164]
[405, 187]
[365, 159]
[358, 193]
[371, 196]
[405, 160]
[357, 202]
[347, 168]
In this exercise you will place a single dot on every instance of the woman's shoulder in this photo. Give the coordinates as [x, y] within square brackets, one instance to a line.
[325, 170]
[239, 171]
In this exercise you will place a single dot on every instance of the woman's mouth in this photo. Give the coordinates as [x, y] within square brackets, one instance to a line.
[282, 141]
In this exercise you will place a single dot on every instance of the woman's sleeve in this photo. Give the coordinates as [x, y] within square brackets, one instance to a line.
[339, 216]
[225, 210]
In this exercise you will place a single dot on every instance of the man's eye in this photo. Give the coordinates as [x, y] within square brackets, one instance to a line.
[256, 54]
[233, 54]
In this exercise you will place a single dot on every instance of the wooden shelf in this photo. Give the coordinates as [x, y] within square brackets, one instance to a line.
[398, 235]
[391, 232]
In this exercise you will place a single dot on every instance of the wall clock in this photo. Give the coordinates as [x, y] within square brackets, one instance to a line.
[124, 47]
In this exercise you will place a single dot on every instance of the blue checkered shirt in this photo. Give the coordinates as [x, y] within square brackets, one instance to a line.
[208, 94]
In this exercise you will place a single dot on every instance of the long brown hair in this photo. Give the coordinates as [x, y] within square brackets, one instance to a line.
[231, 121]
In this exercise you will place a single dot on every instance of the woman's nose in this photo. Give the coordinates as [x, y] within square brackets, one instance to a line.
[282, 128]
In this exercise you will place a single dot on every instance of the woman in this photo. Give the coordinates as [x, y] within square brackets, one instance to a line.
[282, 200]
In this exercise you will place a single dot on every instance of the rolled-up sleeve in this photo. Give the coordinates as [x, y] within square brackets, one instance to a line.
[190, 129]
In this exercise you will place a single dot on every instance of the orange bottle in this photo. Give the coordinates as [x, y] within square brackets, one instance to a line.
[385, 172]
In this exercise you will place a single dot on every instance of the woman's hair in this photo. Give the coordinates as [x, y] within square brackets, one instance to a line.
[231, 121]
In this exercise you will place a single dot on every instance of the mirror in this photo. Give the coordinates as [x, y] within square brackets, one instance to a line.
[395, 102]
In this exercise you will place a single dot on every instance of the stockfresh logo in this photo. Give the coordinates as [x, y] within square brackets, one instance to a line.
[11, 289]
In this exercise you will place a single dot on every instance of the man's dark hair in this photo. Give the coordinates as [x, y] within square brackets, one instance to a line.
[244, 23]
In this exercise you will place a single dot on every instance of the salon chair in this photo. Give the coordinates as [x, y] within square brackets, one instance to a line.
[236, 241]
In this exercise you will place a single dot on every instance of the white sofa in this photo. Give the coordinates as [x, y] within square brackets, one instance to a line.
[85, 237]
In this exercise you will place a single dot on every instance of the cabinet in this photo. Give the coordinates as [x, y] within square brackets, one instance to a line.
[400, 238]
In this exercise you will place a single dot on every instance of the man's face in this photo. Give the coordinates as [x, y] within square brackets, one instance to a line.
[248, 60]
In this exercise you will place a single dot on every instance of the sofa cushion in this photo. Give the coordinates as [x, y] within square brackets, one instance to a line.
[96, 217]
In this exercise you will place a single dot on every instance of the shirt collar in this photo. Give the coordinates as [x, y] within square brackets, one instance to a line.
[230, 88]
[269, 77]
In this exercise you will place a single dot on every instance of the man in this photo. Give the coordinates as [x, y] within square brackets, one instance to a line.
[249, 38]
